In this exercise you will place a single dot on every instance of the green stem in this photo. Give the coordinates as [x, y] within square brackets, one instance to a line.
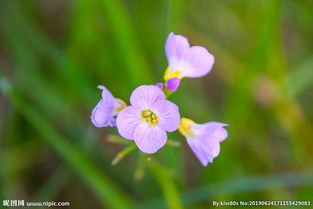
[167, 92]
[123, 153]
[168, 187]
[173, 143]
[140, 168]
[117, 139]
[103, 187]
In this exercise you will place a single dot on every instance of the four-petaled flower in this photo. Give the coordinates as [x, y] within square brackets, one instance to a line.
[103, 115]
[186, 61]
[203, 139]
[150, 115]
[148, 118]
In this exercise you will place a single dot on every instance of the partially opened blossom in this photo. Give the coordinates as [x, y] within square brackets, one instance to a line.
[104, 114]
[185, 60]
[203, 139]
[160, 85]
[172, 84]
[148, 118]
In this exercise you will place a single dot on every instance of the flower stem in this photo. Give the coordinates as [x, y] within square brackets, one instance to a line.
[140, 168]
[173, 143]
[167, 92]
[123, 153]
[117, 139]
[168, 187]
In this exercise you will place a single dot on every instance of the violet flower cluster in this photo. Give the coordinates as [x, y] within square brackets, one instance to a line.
[150, 115]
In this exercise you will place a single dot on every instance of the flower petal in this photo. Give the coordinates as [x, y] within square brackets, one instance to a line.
[175, 47]
[216, 131]
[198, 152]
[204, 151]
[205, 143]
[107, 95]
[149, 139]
[144, 96]
[127, 120]
[196, 62]
[102, 114]
[168, 115]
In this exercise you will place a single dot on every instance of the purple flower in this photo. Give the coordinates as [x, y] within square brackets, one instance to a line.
[148, 118]
[104, 113]
[186, 61]
[203, 139]
[172, 84]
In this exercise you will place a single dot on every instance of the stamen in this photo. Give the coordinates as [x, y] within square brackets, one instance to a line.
[120, 107]
[147, 113]
[185, 127]
[150, 117]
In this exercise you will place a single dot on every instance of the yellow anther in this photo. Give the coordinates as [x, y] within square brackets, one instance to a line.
[155, 121]
[150, 117]
[147, 113]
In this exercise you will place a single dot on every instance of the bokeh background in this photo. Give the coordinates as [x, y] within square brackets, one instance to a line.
[54, 53]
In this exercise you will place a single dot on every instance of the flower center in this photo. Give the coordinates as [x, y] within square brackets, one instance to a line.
[172, 74]
[185, 127]
[150, 117]
[121, 105]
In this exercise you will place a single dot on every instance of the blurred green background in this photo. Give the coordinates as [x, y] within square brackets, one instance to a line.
[54, 53]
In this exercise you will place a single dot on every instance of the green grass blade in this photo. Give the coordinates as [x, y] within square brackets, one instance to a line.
[103, 187]
[124, 35]
[167, 185]
[300, 78]
[206, 193]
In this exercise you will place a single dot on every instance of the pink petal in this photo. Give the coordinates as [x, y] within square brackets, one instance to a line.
[216, 131]
[211, 148]
[106, 95]
[168, 115]
[149, 139]
[144, 96]
[196, 62]
[127, 120]
[205, 152]
[206, 143]
[197, 150]
[175, 47]
[102, 114]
